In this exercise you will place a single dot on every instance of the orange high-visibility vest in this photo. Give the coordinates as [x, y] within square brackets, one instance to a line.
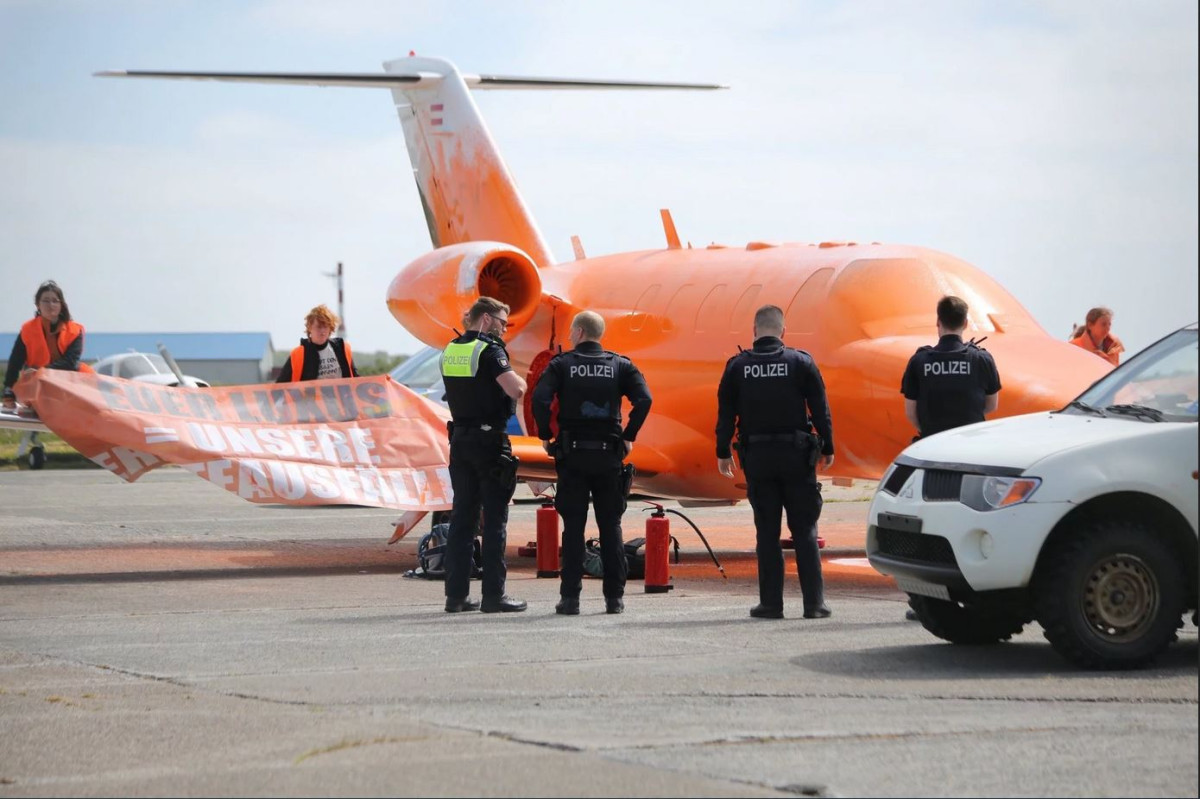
[37, 350]
[298, 360]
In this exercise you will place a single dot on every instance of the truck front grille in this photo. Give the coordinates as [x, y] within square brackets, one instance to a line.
[915, 546]
[941, 485]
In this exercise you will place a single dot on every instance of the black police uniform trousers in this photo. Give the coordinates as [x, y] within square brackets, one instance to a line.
[598, 474]
[778, 479]
[479, 484]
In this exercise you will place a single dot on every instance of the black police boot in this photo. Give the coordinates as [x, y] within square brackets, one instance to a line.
[502, 604]
[567, 606]
[614, 605]
[821, 611]
[460, 605]
[766, 612]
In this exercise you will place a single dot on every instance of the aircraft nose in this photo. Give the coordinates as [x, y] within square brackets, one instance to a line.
[1038, 373]
[863, 379]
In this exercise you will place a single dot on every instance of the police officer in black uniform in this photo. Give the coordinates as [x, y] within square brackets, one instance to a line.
[481, 390]
[589, 383]
[950, 384]
[772, 392]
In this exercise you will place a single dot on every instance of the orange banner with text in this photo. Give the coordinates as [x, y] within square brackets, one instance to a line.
[354, 441]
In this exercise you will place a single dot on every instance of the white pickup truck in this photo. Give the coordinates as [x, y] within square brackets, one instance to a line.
[1083, 519]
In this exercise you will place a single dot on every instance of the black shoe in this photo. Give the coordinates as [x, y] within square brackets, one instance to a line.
[819, 612]
[614, 605]
[911, 615]
[502, 604]
[459, 605]
[766, 612]
[567, 606]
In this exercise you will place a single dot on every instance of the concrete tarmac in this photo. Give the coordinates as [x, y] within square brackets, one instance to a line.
[166, 638]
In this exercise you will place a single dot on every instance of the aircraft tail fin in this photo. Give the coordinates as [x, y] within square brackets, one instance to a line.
[466, 190]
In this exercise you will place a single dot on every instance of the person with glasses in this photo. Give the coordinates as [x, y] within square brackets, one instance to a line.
[589, 383]
[482, 391]
[51, 339]
[774, 396]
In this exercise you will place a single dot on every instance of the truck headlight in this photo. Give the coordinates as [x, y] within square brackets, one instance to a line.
[986, 492]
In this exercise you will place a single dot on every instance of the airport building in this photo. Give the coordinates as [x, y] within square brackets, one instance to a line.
[219, 358]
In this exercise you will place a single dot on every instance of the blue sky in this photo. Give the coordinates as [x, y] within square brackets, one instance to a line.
[1052, 144]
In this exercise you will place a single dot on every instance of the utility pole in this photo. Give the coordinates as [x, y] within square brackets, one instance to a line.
[341, 311]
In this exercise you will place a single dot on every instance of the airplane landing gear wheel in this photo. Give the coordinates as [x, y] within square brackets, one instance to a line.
[37, 457]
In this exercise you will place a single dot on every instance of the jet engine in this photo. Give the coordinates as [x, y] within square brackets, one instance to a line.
[431, 295]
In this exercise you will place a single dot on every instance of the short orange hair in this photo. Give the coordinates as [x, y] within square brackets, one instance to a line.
[321, 314]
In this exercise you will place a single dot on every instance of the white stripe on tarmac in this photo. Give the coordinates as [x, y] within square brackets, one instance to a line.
[858, 563]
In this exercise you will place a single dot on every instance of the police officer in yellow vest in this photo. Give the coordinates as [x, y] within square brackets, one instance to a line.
[482, 390]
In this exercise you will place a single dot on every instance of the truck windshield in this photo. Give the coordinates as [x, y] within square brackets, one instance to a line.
[1157, 384]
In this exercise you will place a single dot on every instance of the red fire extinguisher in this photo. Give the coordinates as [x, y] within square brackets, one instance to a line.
[658, 543]
[547, 541]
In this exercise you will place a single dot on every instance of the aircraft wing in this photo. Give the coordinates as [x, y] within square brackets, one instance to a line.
[399, 78]
[21, 418]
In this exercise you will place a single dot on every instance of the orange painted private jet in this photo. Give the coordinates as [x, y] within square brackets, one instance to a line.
[860, 309]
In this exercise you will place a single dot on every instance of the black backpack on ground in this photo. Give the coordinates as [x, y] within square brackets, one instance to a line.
[635, 558]
[431, 552]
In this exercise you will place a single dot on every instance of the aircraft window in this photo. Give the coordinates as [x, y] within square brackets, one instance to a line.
[742, 319]
[642, 308]
[673, 316]
[706, 320]
[804, 311]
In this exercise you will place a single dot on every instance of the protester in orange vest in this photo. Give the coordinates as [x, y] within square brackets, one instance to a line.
[1094, 336]
[319, 357]
[50, 339]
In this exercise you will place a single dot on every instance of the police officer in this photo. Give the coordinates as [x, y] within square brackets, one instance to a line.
[589, 383]
[950, 384]
[772, 392]
[481, 390]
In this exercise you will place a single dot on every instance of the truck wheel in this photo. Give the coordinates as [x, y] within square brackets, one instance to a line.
[1112, 596]
[966, 624]
[37, 457]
